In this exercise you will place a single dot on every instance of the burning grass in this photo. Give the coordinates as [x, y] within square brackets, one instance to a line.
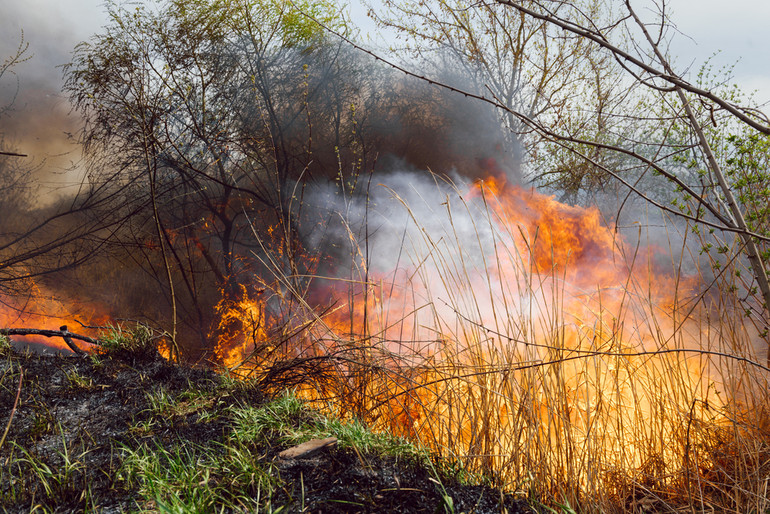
[524, 340]
[516, 337]
[119, 434]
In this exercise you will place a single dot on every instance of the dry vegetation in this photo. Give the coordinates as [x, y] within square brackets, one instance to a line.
[643, 394]
[261, 190]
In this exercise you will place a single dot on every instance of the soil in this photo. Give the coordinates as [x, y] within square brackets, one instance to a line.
[84, 410]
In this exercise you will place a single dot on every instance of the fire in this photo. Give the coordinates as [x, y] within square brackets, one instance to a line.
[241, 326]
[40, 309]
[534, 325]
[509, 331]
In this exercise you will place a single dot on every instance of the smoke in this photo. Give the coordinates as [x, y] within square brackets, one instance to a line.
[446, 132]
[431, 144]
[36, 118]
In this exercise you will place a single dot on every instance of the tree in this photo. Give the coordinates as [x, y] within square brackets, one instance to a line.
[645, 155]
[527, 65]
[710, 199]
[208, 118]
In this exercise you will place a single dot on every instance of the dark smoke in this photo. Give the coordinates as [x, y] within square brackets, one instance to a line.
[399, 125]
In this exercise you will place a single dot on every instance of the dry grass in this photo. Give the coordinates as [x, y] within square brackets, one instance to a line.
[641, 393]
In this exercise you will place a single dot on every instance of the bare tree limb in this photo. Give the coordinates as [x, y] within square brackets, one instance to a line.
[751, 249]
[62, 332]
[666, 75]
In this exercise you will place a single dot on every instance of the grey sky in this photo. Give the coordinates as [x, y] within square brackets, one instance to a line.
[53, 27]
[737, 29]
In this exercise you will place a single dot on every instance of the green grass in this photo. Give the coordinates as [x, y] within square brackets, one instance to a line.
[138, 340]
[288, 421]
[5, 345]
[163, 408]
[195, 478]
[235, 473]
[61, 477]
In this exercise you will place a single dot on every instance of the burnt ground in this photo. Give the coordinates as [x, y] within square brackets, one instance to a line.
[77, 417]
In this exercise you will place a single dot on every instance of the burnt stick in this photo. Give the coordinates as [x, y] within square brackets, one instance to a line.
[62, 332]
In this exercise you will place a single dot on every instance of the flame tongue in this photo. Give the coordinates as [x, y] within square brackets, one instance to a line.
[525, 324]
[559, 238]
[41, 310]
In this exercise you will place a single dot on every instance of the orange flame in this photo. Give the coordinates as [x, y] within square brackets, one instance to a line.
[547, 337]
[40, 309]
[556, 330]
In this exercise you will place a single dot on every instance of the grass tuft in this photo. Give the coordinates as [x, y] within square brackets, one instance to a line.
[5, 346]
[136, 342]
[195, 478]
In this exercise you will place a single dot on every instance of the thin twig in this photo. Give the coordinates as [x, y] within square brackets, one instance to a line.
[15, 404]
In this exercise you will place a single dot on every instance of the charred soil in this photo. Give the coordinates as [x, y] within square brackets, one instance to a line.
[123, 433]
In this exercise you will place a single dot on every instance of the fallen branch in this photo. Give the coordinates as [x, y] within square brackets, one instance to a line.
[13, 154]
[62, 332]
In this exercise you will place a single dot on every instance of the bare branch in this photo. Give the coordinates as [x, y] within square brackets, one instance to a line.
[671, 78]
[63, 333]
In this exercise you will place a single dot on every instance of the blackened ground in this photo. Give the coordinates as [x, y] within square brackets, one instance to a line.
[88, 407]
[76, 414]
[341, 481]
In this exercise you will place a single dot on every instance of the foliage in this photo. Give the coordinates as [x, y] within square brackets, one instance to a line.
[748, 166]
[228, 104]
[219, 126]
[741, 153]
